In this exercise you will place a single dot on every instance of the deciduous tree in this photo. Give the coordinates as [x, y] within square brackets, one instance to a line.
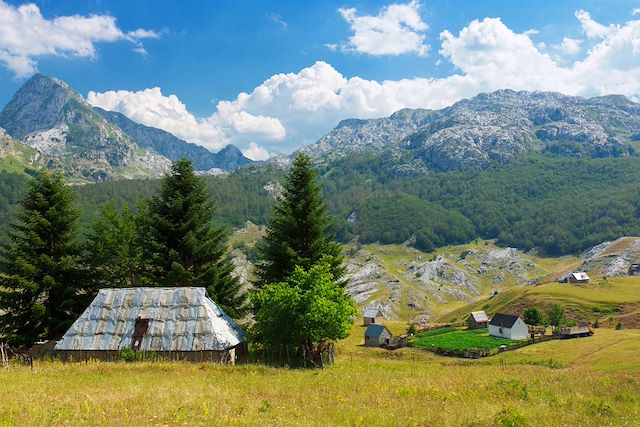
[307, 312]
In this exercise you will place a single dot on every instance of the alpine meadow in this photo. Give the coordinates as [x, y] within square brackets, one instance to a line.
[319, 213]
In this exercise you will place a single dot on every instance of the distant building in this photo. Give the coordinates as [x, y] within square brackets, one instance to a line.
[377, 335]
[507, 326]
[373, 316]
[176, 323]
[634, 270]
[477, 320]
[578, 277]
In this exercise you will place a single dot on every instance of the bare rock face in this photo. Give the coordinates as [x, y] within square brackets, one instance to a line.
[173, 148]
[507, 260]
[49, 116]
[488, 129]
[612, 259]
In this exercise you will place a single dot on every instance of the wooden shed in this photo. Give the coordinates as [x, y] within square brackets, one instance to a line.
[176, 323]
[377, 335]
[634, 270]
[477, 320]
[507, 326]
[373, 316]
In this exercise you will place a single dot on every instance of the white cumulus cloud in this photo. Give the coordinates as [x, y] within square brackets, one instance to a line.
[25, 36]
[255, 152]
[289, 110]
[569, 46]
[397, 29]
[592, 28]
[152, 108]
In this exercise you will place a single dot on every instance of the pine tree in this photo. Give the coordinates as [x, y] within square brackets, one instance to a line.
[112, 251]
[181, 247]
[298, 234]
[40, 280]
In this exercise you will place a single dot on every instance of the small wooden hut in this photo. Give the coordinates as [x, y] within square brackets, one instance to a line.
[477, 320]
[176, 323]
[373, 316]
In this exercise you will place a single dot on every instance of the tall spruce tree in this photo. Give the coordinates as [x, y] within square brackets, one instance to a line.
[41, 286]
[181, 247]
[112, 250]
[299, 233]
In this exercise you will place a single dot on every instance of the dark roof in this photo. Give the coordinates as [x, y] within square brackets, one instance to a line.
[375, 330]
[504, 320]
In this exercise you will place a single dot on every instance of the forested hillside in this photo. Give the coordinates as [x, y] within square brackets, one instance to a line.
[559, 204]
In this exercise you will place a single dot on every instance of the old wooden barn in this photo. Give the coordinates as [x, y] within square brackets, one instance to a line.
[176, 323]
[477, 320]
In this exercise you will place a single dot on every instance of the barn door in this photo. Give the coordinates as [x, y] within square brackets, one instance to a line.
[142, 325]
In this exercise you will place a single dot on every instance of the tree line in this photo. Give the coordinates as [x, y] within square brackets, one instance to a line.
[560, 205]
[48, 275]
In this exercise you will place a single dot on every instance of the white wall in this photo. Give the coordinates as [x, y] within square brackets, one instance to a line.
[519, 331]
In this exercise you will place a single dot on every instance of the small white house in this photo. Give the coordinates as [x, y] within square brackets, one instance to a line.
[578, 277]
[507, 326]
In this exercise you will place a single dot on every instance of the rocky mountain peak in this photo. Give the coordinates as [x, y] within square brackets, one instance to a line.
[490, 128]
[38, 105]
[49, 116]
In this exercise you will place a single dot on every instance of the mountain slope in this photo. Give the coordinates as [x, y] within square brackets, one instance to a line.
[49, 116]
[173, 148]
[490, 128]
[15, 157]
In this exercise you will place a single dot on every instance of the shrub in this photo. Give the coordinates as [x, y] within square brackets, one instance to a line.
[129, 356]
[510, 417]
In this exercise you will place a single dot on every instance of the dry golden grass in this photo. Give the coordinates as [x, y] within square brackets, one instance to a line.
[584, 382]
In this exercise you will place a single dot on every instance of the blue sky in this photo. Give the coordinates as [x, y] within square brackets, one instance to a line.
[273, 76]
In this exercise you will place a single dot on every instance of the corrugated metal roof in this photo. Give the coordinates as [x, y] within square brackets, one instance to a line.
[480, 316]
[580, 275]
[180, 319]
[372, 312]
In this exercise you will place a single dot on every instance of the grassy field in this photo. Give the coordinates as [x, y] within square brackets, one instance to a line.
[588, 382]
[459, 339]
[615, 297]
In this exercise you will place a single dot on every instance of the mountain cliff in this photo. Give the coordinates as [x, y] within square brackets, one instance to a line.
[93, 145]
[49, 116]
[174, 148]
[490, 128]
[15, 157]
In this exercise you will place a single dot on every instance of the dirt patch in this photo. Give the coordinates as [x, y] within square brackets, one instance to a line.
[629, 315]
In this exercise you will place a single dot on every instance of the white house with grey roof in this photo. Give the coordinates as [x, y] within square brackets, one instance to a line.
[178, 323]
[578, 277]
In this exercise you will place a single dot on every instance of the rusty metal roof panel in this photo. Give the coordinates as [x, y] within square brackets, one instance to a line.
[180, 319]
